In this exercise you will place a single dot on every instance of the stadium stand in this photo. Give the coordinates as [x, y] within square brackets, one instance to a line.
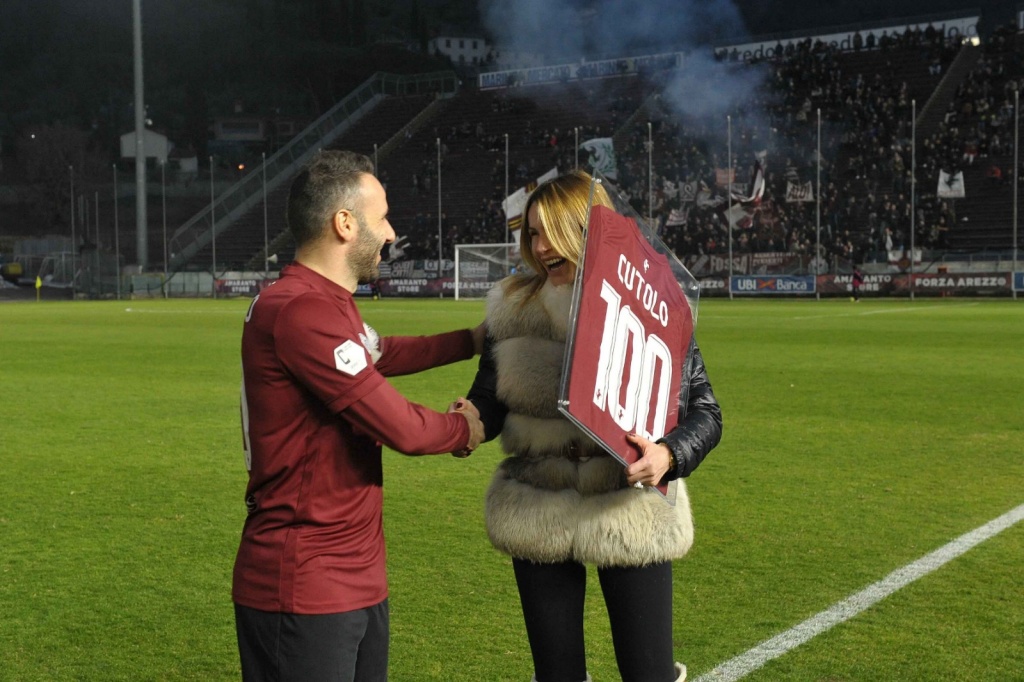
[964, 106]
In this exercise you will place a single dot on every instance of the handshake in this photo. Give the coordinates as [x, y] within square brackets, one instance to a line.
[476, 427]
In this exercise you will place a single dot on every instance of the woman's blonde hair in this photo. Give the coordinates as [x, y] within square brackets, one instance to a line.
[562, 206]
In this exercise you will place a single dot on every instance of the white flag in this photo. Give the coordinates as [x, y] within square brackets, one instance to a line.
[951, 186]
[515, 203]
[602, 156]
[687, 191]
[677, 216]
[799, 193]
[739, 216]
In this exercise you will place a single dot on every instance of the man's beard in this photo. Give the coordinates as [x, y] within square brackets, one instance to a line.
[363, 257]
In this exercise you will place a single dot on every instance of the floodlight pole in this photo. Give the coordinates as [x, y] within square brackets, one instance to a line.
[1016, 184]
[506, 188]
[576, 131]
[141, 223]
[376, 170]
[117, 239]
[913, 186]
[213, 236]
[266, 244]
[817, 218]
[163, 213]
[504, 217]
[650, 176]
[439, 236]
[728, 215]
[71, 174]
[96, 201]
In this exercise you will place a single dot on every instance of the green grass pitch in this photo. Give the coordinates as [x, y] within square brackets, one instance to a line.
[857, 439]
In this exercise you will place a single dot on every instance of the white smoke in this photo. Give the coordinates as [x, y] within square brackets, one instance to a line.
[573, 30]
[608, 28]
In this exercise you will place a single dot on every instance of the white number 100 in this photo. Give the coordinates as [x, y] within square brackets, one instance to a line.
[622, 326]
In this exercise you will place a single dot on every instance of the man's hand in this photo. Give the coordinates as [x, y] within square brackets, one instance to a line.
[655, 460]
[476, 427]
[479, 332]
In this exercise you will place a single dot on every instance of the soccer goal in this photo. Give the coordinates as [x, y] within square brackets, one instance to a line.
[479, 266]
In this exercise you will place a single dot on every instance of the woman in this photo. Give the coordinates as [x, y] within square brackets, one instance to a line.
[559, 501]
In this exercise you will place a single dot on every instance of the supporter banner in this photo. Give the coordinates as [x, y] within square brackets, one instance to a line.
[602, 156]
[951, 186]
[958, 27]
[785, 284]
[767, 263]
[705, 265]
[563, 72]
[797, 193]
[631, 337]
[1018, 281]
[723, 176]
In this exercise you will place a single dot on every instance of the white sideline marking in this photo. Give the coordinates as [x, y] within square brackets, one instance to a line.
[748, 662]
[193, 311]
[885, 311]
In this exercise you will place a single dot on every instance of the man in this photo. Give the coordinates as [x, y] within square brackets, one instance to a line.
[309, 585]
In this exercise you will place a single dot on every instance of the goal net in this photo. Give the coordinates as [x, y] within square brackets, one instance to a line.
[479, 266]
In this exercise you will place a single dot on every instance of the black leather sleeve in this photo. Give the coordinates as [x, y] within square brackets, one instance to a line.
[484, 393]
[701, 428]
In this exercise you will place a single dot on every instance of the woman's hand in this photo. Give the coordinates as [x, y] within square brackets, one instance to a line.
[655, 461]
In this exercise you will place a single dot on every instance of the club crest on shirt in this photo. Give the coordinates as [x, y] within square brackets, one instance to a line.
[371, 342]
[350, 358]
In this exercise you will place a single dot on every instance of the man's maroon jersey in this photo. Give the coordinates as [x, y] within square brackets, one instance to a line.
[315, 409]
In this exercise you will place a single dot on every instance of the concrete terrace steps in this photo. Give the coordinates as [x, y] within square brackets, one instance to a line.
[243, 241]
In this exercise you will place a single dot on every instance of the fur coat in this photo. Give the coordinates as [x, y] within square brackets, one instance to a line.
[558, 496]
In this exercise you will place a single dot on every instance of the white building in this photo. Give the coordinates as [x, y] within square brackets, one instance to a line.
[153, 145]
[461, 50]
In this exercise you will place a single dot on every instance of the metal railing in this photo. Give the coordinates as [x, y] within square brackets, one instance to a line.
[201, 228]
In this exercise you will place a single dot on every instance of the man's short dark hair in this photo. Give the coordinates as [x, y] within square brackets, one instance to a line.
[328, 183]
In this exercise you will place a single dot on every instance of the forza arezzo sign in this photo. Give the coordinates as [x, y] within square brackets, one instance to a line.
[631, 337]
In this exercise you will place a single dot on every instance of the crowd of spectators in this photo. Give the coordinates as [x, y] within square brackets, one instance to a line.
[865, 158]
[867, 98]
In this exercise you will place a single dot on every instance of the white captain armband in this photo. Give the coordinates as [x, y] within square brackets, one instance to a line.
[350, 358]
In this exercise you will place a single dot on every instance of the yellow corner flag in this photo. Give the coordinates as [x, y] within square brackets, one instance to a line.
[39, 286]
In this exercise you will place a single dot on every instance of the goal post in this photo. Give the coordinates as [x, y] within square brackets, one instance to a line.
[479, 266]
